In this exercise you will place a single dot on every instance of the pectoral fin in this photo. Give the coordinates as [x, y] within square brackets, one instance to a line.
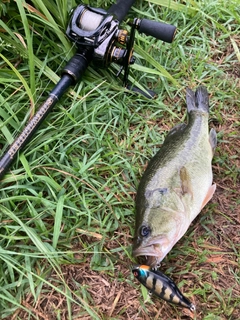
[209, 195]
[213, 139]
[186, 186]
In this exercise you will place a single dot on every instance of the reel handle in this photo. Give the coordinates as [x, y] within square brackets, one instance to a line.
[158, 30]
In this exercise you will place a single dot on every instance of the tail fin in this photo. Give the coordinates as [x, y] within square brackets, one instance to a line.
[197, 100]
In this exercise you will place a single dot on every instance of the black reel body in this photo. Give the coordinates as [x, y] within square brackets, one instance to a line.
[95, 33]
[95, 28]
[86, 25]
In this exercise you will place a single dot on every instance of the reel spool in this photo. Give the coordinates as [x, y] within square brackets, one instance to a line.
[89, 20]
[89, 26]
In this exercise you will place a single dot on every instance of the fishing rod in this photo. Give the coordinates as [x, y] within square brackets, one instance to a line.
[98, 40]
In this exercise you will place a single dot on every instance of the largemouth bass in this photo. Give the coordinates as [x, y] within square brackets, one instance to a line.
[177, 183]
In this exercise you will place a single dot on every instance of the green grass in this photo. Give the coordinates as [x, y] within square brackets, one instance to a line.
[69, 197]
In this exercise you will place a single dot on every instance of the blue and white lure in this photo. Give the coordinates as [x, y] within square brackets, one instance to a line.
[162, 286]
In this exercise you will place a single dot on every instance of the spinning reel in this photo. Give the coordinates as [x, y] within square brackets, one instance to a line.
[99, 40]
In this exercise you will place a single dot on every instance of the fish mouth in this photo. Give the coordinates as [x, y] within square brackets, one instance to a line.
[153, 252]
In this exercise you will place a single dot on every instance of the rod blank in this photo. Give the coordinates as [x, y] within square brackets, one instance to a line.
[32, 126]
[121, 8]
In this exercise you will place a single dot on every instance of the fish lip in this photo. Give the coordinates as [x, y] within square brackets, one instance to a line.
[149, 250]
[151, 247]
[152, 251]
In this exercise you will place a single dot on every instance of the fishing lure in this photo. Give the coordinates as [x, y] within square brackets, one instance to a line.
[162, 286]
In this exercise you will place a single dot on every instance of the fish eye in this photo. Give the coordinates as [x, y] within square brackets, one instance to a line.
[145, 231]
[135, 273]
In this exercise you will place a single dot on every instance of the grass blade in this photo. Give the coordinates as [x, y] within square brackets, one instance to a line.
[58, 221]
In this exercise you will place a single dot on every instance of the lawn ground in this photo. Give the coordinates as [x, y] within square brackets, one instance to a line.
[67, 203]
